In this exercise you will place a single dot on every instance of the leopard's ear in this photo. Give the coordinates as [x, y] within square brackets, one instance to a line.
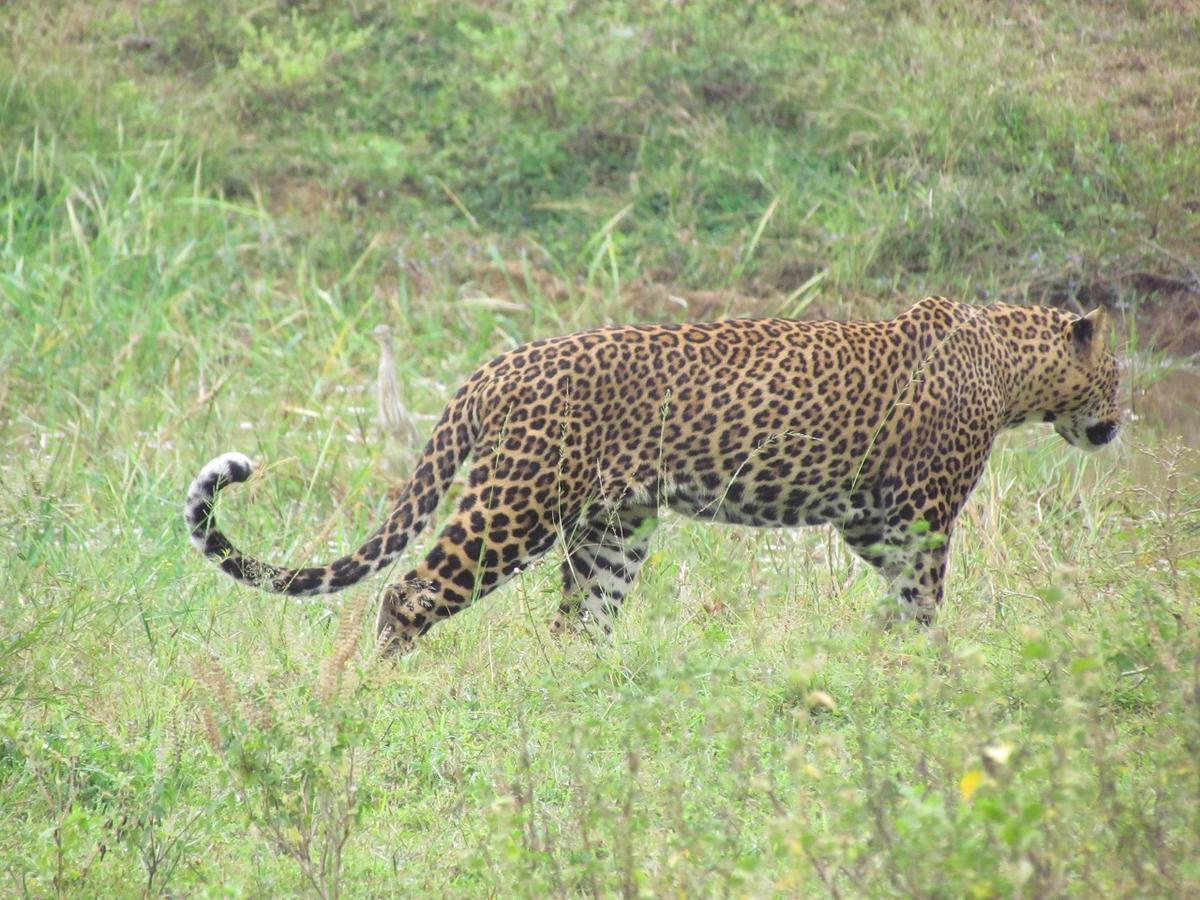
[1089, 333]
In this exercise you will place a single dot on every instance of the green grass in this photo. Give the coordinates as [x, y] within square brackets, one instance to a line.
[203, 213]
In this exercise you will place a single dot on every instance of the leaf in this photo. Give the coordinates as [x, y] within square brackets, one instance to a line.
[970, 783]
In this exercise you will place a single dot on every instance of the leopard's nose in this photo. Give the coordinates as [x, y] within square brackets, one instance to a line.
[1101, 433]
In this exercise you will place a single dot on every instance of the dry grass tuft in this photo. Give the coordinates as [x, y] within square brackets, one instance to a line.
[332, 679]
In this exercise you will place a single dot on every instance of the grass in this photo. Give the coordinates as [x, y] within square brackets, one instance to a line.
[206, 210]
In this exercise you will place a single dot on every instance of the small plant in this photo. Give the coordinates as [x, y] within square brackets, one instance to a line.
[101, 793]
[296, 771]
[72, 795]
[285, 62]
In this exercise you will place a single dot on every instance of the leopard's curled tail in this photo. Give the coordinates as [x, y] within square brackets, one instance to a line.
[449, 445]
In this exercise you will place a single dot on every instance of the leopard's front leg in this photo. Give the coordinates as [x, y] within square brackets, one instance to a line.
[917, 577]
[911, 558]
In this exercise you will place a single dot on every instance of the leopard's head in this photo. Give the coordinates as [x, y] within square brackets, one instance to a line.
[1085, 412]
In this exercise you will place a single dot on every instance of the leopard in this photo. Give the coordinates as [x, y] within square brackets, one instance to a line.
[880, 429]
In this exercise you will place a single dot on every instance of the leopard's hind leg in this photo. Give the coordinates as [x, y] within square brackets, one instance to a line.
[602, 561]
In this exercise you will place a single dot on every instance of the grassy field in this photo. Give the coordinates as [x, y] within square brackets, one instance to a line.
[205, 209]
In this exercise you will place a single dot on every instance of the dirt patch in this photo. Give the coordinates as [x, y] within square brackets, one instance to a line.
[1082, 293]
[513, 279]
[647, 300]
[304, 198]
[1166, 303]
[657, 301]
[1170, 323]
[1167, 306]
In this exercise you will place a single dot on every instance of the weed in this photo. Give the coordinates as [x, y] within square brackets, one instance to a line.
[298, 774]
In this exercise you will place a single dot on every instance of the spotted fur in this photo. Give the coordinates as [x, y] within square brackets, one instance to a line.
[881, 429]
